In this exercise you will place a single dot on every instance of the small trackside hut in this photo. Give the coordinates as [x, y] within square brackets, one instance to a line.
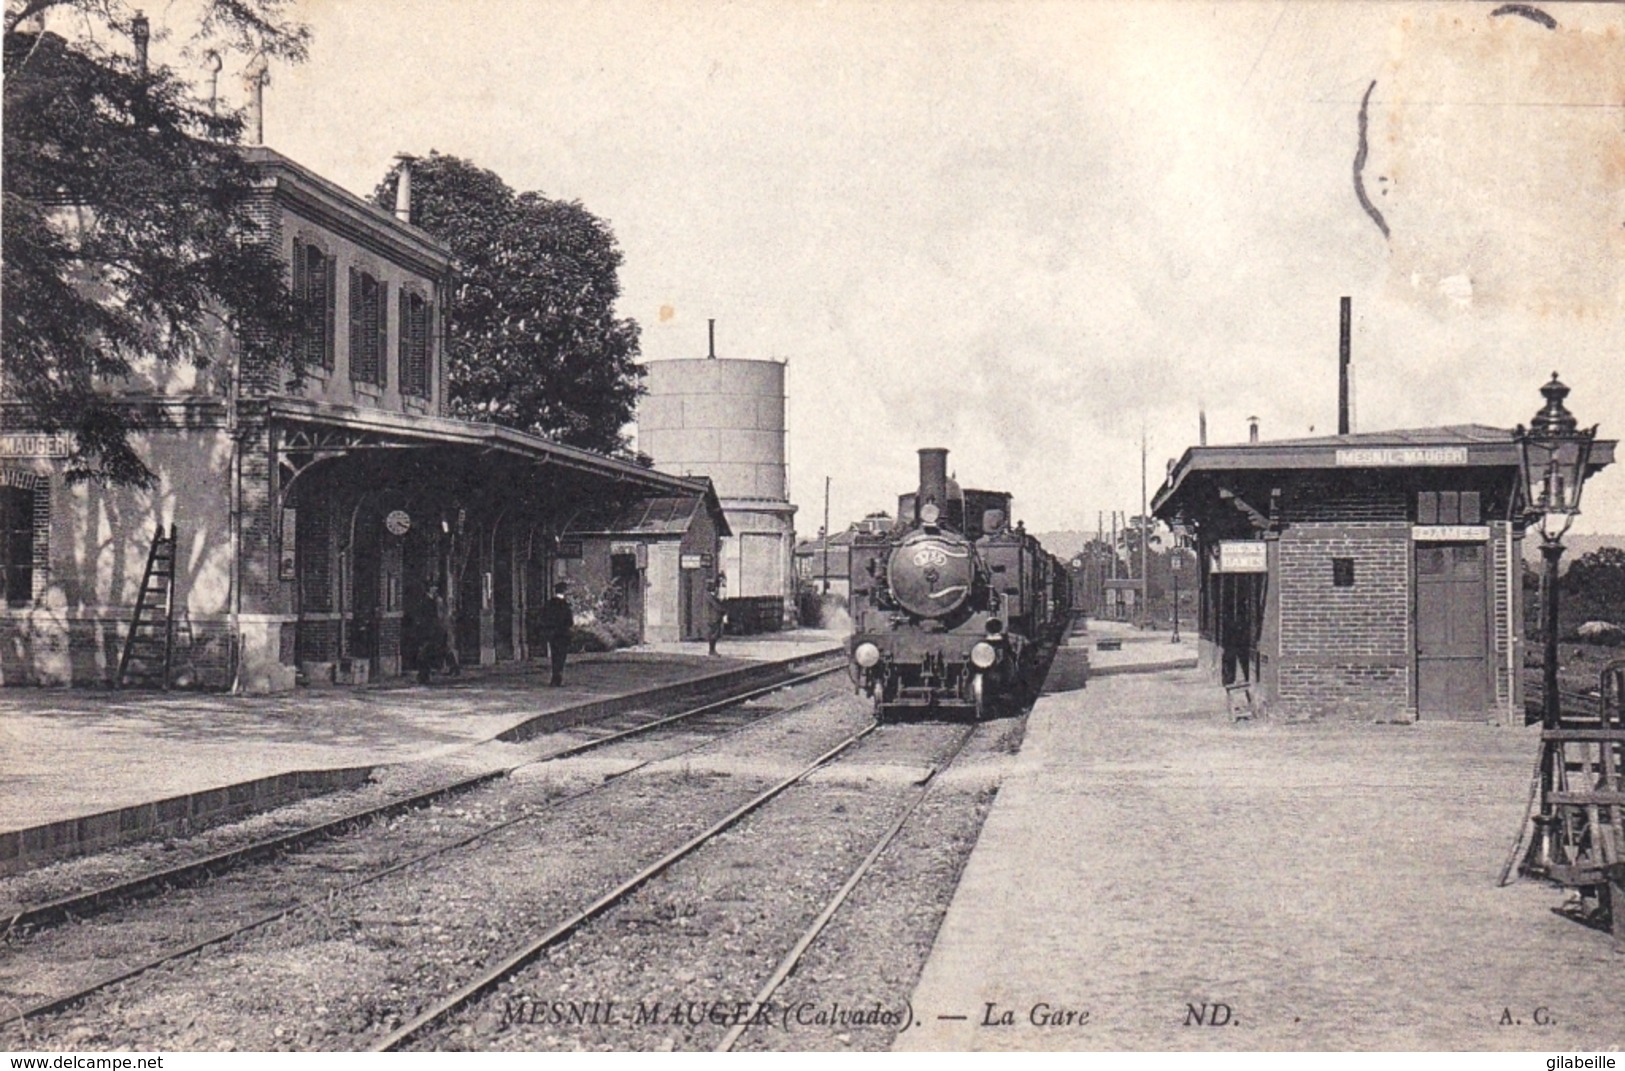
[1375, 576]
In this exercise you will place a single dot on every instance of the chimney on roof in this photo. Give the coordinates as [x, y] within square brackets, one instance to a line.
[403, 188]
[1201, 427]
[255, 76]
[1252, 429]
[711, 344]
[1344, 372]
[141, 32]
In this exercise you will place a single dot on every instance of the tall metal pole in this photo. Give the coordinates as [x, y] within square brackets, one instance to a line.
[1551, 549]
[826, 535]
[1145, 542]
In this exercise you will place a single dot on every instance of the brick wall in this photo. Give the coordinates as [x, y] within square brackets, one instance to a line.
[1345, 651]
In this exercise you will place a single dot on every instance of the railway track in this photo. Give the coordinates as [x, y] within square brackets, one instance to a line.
[714, 720]
[602, 733]
[422, 1030]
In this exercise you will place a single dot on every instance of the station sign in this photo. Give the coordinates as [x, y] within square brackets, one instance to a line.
[569, 548]
[35, 444]
[1450, 533]
[1402, 456]
[693, 561]
[1243, 556]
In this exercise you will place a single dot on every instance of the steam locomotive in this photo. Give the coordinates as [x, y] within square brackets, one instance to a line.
[953, 610]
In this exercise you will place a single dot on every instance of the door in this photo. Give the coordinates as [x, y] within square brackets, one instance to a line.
[1452, 631]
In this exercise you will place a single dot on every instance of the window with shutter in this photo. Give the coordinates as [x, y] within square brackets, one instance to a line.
[380, 363]
[17, 545]
[330, 310]
[355, 322]
[369, 328]
[402, 337]
[419, 355]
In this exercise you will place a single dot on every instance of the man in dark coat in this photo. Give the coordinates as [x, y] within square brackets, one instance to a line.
[557, 620]
[715, 615]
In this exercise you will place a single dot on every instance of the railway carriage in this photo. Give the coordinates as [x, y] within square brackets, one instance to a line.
[953, 610]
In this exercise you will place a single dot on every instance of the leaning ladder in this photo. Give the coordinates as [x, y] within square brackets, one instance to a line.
[150, 645]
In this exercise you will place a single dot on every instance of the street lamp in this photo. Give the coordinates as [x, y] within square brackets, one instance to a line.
[1176, 562]
[1553, 454]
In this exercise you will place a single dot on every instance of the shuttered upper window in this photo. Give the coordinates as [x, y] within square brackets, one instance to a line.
[1448, 507]
[369, 327]
[413, 334]
[314, 285]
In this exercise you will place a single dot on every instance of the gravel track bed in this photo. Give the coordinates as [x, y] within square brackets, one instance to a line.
[871, 953]
[388, 782]
[343, 973]
[706, 934]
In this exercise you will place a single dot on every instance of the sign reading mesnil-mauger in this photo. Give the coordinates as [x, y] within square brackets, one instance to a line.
[35, 444]
[1403, 456]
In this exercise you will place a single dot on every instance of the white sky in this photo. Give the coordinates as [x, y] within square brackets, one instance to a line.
[1024, 231]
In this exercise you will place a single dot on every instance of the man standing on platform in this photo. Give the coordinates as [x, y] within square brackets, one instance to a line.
[715, 615]
[557, 621]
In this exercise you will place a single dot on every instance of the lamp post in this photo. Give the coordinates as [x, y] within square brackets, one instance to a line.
[1553, 454]
[1176, 564]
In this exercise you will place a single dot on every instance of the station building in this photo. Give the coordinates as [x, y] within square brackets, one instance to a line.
[1371, 576]
[315, 517]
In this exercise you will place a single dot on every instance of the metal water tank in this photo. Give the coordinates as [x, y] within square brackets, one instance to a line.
[718, 418]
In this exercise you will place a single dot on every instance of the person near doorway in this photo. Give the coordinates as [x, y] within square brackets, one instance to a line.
[715, 616]
[445, 615]
[557, 621]
[422, 629]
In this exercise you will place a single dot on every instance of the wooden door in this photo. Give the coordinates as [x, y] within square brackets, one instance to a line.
[1452, 631]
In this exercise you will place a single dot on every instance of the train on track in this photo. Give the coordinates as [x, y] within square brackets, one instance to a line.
[954, 610]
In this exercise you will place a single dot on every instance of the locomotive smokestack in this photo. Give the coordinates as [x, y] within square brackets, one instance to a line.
[933, 477]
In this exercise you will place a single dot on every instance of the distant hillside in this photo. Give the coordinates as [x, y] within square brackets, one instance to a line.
[1575, 544]
[1065, 544]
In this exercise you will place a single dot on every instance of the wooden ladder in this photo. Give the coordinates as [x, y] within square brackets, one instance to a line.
[150, 645]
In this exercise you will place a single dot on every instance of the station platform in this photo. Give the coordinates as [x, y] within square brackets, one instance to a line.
[83, 765]
[1154, 876]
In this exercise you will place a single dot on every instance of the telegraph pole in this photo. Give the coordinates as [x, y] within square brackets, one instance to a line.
[826, 535]
[1145, 542]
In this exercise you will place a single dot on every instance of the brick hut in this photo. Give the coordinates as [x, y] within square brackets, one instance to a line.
[1374, 576]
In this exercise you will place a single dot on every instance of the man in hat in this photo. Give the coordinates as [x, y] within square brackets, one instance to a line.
[715, 614]
[557, 620]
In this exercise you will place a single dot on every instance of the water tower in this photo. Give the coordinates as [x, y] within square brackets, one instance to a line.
[725, 419]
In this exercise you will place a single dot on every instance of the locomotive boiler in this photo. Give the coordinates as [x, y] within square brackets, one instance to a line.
[953, 609]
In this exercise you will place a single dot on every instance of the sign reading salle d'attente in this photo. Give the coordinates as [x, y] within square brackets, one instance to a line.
[1392, 456]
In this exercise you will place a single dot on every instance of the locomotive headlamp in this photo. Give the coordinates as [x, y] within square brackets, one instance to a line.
[866, 655]
[983, 655]
[929, 513]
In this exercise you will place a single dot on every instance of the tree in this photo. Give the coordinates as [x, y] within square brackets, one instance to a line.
[533, 340]
[126, 228]
[1595, 586]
